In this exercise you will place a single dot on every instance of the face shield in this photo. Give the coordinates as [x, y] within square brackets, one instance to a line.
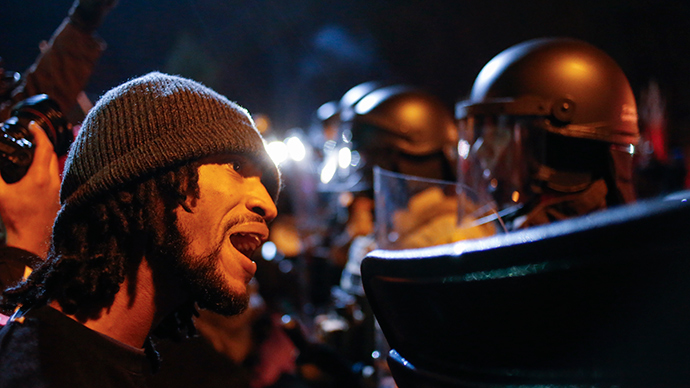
[498, 157]
[414, 212]
[346, 179]
[348, 162]
[521, 164]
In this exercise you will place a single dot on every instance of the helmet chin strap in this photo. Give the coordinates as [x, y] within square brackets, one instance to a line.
[555, 195]
[552, 208]
[566, 182]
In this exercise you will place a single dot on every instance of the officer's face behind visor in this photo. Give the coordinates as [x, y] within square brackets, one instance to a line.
[499, 156]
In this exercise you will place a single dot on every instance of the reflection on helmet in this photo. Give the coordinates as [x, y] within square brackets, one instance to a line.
[549, 117]
[397, 128]
[328, 119]
[347, 103]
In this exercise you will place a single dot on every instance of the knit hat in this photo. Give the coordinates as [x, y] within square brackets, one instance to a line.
[155, 122]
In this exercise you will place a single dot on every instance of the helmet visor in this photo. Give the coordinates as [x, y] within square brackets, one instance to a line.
[497, 157]
[415, 212]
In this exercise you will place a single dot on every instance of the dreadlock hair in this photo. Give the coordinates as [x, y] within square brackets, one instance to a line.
[95, 246]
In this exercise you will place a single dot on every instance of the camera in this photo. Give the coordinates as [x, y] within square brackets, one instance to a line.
[16, 142]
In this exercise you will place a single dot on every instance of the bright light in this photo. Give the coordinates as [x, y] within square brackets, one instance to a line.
[463, 148]
[344, 157]
[278, 151]
[515, 196]
[328, 170]
[295, 148]
[631, 150]
[269, 251]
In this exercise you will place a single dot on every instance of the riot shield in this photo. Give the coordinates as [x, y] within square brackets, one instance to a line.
[594, 301]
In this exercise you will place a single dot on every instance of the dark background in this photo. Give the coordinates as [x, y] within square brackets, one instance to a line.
[285, 58]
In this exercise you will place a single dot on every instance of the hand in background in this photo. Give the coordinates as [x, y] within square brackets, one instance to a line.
[29, 206]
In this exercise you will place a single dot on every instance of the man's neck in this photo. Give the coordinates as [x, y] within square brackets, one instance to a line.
[135, 311]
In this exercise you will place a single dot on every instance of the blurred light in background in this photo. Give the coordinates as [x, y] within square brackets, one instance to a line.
[269, 251]
[328, 170]
[278, 151]
[463, 148]
[344, 157]
[292, 148]
[295, 148]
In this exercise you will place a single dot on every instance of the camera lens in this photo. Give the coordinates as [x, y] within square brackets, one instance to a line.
[16, 142]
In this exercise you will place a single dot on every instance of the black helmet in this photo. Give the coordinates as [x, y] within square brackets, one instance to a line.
[559, 113]
[409, 120]
[400, 129]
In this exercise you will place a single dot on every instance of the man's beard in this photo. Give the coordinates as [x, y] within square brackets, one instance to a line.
[202, 277]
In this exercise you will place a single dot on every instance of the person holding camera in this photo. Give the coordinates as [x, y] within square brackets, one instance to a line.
[28, 208]
[28, 204]
[66, 62]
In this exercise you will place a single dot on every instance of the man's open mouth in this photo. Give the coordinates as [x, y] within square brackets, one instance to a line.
[246, 243]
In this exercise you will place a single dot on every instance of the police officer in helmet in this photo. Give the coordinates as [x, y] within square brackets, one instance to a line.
[398, 128]
[549, 131]
[401, 129]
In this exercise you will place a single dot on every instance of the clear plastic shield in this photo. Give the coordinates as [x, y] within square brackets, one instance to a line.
[413, 212]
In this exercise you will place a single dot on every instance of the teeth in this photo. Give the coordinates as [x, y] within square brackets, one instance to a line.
[246, 243]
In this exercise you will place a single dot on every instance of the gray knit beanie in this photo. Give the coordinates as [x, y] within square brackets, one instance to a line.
[155, 122]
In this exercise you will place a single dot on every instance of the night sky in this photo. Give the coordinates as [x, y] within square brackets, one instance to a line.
[285, 58]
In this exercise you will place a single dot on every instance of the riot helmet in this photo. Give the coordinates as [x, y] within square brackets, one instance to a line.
[551, 119]
[400, 129]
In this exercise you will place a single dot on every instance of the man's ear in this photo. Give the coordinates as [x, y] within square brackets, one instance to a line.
[187, 203]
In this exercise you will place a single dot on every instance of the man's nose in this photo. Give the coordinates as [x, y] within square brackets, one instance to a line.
[260, 202]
